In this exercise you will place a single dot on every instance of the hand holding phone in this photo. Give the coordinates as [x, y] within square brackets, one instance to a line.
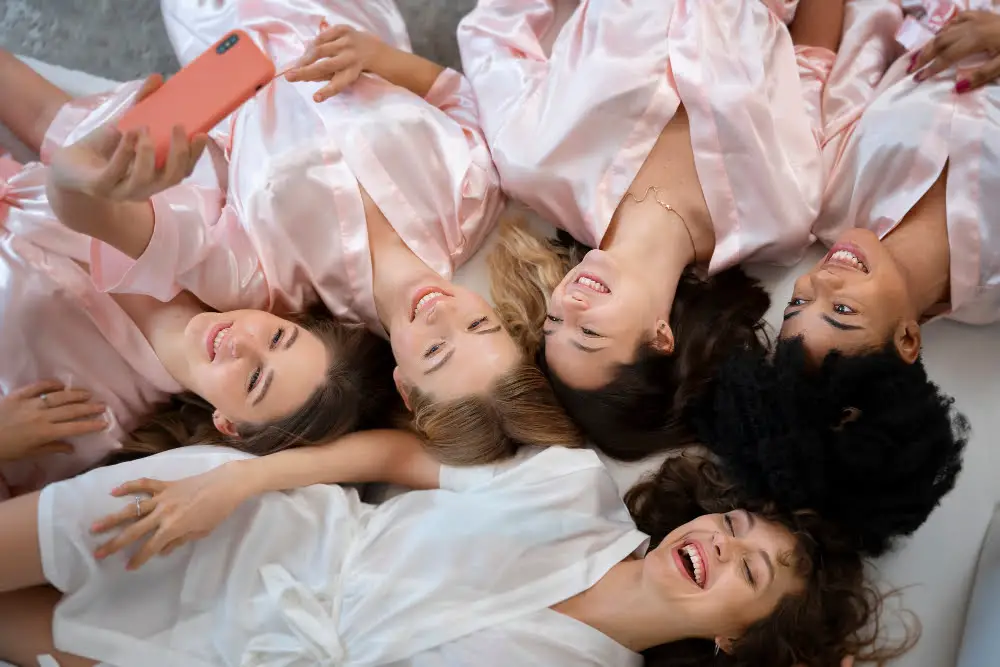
[108, 164]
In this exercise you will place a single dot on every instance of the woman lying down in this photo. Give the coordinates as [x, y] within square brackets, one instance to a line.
[535, 561]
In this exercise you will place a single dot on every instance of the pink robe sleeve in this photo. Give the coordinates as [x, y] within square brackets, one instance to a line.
[815, 64]
[480, 199]
[198, 243]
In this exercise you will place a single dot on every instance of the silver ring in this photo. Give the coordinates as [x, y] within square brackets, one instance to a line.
[45, 399]
[138, 507]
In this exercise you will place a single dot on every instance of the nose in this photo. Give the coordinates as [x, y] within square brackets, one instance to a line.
[241, 345]
[723, 547]
[576, 301]
[825, 280]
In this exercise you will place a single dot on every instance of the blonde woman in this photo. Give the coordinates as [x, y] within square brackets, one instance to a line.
[360, 179]
[676, 140]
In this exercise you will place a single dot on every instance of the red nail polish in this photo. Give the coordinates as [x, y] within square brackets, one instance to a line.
[963, 86]
[913, 63]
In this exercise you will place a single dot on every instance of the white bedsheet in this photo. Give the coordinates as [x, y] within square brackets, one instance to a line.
[938, 563]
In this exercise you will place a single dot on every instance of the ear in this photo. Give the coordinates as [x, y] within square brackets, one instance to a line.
[401, 387]
[663, 340]
[223, 425]
[724, 644]
[907, 340]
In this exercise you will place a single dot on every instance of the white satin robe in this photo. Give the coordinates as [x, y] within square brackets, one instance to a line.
[289, 224]
[570, 126]
[54, 323]
[889, 138]
[462, 575]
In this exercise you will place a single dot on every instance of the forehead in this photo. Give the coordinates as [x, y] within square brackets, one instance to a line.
[820, 338]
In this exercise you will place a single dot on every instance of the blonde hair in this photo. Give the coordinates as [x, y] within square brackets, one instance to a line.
[519, 409]
[524, 270]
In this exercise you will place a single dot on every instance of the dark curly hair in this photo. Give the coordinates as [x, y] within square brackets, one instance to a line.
[867, 441]
[836, 614]
[642, 410]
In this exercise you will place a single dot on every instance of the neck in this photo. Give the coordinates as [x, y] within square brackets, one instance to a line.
[653, 239]
[396, 270]
[163, 325]
[619, 607]
[921, 249]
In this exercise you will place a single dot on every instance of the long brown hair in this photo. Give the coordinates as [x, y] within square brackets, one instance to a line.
[357, 393]
[835, 615]
[643, 409]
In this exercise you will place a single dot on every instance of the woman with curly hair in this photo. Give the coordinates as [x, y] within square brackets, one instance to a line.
[844, 418]
[533, 561]
[676, 140]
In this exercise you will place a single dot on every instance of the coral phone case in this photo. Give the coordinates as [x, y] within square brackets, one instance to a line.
[202, 94]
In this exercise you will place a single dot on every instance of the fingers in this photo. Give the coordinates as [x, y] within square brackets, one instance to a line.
[137, 487]
[198, 144]
[178, 157]
[334, 33]
[123, 517]
[149, 86]
[979, 77]
[320, 63]
[153, 546]
[53, 448]
[73, 411]
[340, 82]
[37, 389]
[118, 166]
[74, 428]
[130, 535]
[60, 397]
[143, 167]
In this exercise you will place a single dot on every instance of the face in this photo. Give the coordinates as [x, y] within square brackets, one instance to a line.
[252, 366]
[449, 343]
[728, 570]
[854, 299]
[598, 317]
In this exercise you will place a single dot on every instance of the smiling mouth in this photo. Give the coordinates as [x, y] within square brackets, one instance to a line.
[848, 257]
[690, 557]
[216, 337]
[423, 299]
[592, 283]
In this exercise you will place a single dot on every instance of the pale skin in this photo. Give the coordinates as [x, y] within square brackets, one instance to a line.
[660, 228]
[639, 602]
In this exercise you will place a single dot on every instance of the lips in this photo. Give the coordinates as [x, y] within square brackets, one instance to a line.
[848, 256]
[214, 338]
[593, 283]
[692, 563]
[425, 297]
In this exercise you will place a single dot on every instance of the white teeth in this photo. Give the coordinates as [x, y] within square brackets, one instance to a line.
[592, 284]
[423, 301]
[699, 568]
[218, 338]
[848, 258]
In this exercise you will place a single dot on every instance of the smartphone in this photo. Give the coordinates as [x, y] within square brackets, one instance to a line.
[201, 95]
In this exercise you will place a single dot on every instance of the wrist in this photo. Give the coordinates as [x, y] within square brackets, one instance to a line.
[377, 53]
[249, 477]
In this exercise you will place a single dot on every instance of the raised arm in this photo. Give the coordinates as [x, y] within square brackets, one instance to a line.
[188, 509]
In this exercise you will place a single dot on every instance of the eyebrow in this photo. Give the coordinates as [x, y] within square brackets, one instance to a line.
[829, 320]
[488, 331]
[751, 522]
[441, 363]
[589, 350]
[263, 390]
[292, 337]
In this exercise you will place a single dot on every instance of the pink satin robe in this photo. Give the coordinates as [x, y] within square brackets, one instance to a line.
[290, 224]
[889, 139]
[54, 323]
[570, 126]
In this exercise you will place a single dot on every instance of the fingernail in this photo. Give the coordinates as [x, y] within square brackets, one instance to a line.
[913, 63]
[920, 75]
[963, 86]
[317, 97]
[99, 554]
[96, 526]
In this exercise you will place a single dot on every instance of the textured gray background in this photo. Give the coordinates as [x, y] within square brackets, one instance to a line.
[81, 34]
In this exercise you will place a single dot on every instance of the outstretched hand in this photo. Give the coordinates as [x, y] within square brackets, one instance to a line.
[969, 33]
[107, 164]
[174, 514]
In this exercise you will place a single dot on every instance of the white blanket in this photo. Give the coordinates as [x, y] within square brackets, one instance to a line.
[938, 563]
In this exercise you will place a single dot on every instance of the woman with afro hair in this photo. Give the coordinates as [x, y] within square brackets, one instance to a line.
[843, 418]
